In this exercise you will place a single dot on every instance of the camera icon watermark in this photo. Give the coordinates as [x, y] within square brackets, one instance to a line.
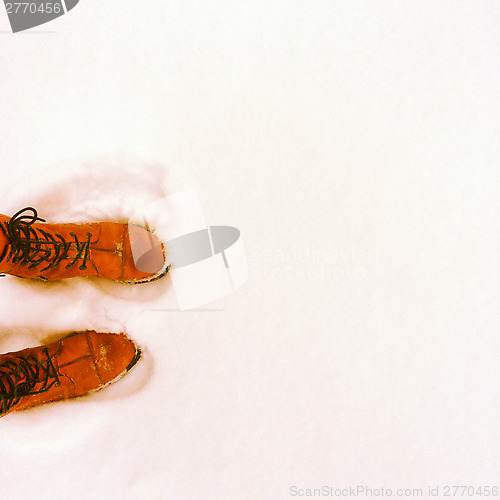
[204, 262]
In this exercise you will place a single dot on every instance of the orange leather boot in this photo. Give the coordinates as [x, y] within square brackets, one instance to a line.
[81, 363]
[30, 248]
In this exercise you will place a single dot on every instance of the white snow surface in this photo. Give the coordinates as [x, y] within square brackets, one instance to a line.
[355, 145]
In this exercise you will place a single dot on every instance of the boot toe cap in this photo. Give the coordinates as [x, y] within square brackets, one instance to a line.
[113, 354]
[146, 258]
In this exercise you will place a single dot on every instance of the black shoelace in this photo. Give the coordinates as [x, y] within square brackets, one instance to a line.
[31, 246]
[19, 377]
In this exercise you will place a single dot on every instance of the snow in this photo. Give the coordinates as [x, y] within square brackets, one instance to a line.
[354, 147]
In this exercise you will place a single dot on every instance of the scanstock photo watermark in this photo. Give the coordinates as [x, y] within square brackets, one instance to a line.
[365, 491]
[25, 15]
[310, 263]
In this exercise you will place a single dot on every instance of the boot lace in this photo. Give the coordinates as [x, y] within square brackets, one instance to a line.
[24, 376]
[31, 246]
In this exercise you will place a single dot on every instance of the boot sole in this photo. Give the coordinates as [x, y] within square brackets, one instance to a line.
[155, 277]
